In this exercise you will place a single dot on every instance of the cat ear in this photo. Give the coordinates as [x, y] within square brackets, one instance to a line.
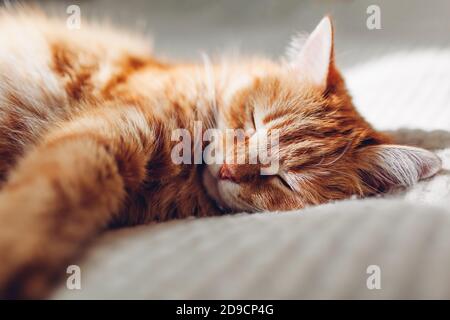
[385, 166]
[313, 57]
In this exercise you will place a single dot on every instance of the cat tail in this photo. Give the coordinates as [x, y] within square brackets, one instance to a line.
[61, 194]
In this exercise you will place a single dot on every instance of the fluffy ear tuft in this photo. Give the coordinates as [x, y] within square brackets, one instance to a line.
[312, 57]
[387, 166]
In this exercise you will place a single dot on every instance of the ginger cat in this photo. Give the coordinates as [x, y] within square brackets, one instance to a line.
[86, 119]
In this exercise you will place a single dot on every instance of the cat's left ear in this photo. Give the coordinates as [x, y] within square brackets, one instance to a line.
[313, 58]
[386, 165]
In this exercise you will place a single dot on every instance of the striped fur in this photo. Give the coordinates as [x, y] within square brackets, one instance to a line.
[85, 140]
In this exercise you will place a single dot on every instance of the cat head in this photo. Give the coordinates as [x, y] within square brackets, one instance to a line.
[325, 150]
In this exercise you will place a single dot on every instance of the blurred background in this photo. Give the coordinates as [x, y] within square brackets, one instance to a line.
[183, 28]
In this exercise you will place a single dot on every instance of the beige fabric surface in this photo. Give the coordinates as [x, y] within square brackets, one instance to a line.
[320, 252]
[323, 252]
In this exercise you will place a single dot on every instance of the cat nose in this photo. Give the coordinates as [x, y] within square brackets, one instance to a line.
[225, 173]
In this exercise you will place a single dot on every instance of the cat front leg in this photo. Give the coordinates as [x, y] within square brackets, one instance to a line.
[63, 193]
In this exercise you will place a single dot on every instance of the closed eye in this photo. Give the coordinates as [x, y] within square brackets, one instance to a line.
[284, 183]
[253, 120]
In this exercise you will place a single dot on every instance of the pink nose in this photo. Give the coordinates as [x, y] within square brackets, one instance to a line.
[225, 173]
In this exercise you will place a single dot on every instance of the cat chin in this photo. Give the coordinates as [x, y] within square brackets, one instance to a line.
[221, 192]
[210, 183]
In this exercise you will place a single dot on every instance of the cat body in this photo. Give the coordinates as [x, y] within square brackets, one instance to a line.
[78, 77]
[86, 139]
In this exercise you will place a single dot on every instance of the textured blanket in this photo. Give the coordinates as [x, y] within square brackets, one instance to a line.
[329, 251]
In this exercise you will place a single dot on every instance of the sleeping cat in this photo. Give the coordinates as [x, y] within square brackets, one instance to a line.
[86, 122]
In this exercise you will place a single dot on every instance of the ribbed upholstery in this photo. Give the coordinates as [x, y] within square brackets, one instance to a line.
[322, 252]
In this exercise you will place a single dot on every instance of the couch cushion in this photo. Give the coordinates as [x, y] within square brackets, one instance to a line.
[320, 252]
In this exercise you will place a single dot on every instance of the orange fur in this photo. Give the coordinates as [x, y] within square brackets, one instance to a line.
[86, 131]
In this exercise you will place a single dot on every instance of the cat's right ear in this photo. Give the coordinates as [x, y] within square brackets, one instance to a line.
[312, 58]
